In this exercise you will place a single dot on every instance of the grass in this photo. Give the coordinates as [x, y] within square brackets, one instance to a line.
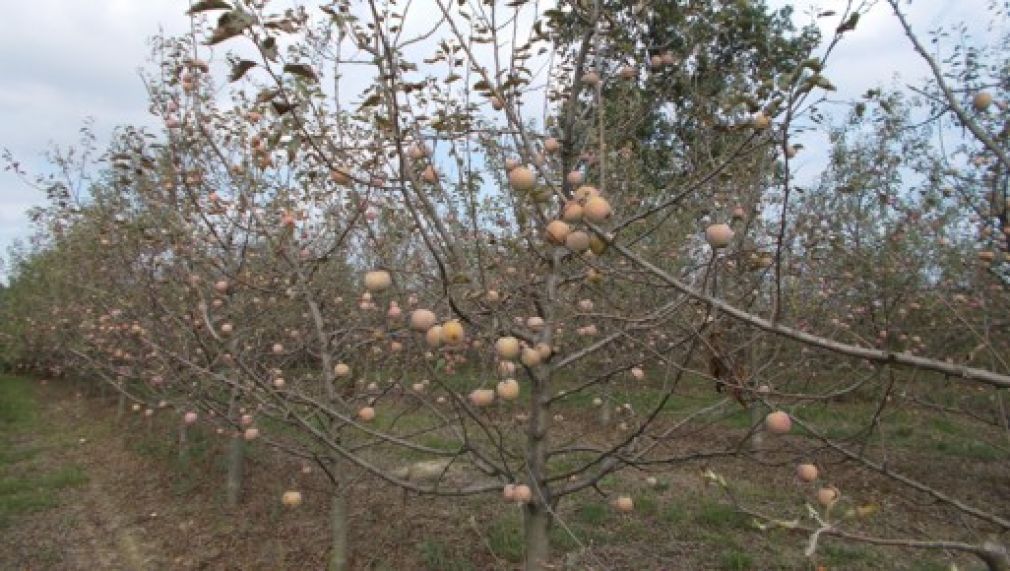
[23, 489]
[437, 557]
[17, 407]
[593, 514]
[674, 513]
[843, 556]
[505, 537]
[720, 517]
[733, 559]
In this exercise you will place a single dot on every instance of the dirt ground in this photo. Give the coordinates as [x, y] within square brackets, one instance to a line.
[133, 506]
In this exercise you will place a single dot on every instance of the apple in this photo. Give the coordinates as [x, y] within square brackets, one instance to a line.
[377, 280]
[422, 320]
[530, 357]
[778, 422]
[291, 498]
[557, 231]
[828, 496]
[508, 389]
[522, 179]
[507, 347]
[982, 101]
[719, 235]
[523, 494]
[624, 504]
[434, 336]
[597, 209]
[452, 332]
[572, 212]
[806, 472]
[577, 241]
[482, 397]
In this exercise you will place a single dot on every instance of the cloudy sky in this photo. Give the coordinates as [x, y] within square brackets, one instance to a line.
[67, 60]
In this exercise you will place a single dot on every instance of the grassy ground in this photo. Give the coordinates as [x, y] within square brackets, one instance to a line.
[27, 483]
[169, 514]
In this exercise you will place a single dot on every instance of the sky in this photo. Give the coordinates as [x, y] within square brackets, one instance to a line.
[64, 61]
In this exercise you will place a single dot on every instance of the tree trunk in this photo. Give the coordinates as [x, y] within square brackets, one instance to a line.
[536, 524]
[604, 417]
[236, 455]
[536, 517]
[756, 418]
[338, 532]
[183, 445]
[120, 407]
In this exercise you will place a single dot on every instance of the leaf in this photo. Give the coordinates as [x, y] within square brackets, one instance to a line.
[301, 70]
[824, 83]
[267, 95]
[229, 25]
[269, 47]
[849, 24]
[280, 107]
[207, 5]
[371, 101]
[240, 68]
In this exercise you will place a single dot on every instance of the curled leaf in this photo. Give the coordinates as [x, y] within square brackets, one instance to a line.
[240, 68]
[302, 70]
[207, 5]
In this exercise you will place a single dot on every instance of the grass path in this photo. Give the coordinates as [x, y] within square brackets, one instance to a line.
[56, 475]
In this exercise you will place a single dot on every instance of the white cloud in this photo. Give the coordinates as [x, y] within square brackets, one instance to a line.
[65, 61]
